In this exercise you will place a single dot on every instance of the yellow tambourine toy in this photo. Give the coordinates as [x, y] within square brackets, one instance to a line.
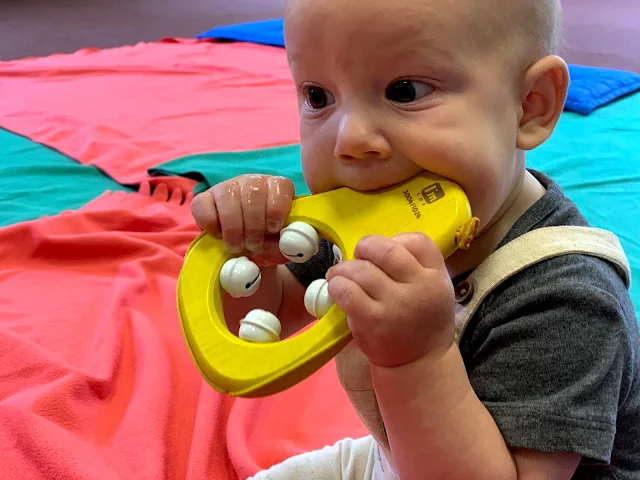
[257, 363]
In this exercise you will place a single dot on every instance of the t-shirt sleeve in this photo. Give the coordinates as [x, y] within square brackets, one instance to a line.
[548, 356]
[316, 267]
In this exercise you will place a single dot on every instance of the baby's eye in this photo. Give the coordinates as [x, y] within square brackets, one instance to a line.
[407, 91]
[318, 98]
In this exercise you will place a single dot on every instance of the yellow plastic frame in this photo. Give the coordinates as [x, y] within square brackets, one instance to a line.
[425, 203]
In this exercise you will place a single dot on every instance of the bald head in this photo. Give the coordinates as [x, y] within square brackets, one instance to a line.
[545, 27]
[533, 26]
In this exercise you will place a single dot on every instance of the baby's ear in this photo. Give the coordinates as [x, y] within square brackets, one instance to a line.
[544, 93]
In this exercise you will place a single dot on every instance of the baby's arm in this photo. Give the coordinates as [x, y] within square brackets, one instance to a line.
[438, 428]
[436, 424]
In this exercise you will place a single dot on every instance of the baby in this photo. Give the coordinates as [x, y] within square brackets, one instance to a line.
[468, 368]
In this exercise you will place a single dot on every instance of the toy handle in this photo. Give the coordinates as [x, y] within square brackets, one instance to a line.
[235, 366]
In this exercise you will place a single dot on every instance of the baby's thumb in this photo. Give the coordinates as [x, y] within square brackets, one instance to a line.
[422, 248]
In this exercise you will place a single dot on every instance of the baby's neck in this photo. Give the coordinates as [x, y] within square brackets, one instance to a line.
[526, 192]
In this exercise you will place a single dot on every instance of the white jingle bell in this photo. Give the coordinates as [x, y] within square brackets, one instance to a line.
[337, 254]
[260, 326]
[316, 299]
[240, 277]
[298, 242]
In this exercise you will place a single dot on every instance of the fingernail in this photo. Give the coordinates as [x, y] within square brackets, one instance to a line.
[233, 248]
[254, 247]
[273, 226]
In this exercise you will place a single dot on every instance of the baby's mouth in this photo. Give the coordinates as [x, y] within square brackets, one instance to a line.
[370, 175]
[379, 183]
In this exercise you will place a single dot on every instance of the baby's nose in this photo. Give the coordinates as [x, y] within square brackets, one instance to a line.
[359, 139]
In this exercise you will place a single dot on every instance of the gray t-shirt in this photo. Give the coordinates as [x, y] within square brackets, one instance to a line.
[554, 352]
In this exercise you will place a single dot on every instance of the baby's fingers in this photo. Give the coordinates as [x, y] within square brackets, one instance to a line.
[218, 212]
[270, 254]
[227, 201]
[253, 199]
[280, 192]
[203, 209]
[353, 301]
[422, 248]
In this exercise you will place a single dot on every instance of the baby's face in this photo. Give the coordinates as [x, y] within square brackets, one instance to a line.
[389, 88]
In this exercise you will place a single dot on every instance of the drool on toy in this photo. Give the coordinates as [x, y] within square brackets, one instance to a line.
[259, 364]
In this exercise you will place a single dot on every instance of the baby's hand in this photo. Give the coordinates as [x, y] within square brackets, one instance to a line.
[244, 211]
[398, 298]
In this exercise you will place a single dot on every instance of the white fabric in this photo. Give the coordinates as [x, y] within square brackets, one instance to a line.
[348, 459]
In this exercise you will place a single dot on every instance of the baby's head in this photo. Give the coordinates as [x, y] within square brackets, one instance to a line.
[388, 88]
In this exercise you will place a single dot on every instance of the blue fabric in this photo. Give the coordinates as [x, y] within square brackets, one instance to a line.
[590, 87]
[266, 32]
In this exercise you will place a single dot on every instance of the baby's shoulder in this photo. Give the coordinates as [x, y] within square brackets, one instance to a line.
[578, 286]
[572, 299]
[569, 276]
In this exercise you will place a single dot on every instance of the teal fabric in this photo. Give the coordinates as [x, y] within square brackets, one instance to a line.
[595, 159]
[212, 168]
[36, 181]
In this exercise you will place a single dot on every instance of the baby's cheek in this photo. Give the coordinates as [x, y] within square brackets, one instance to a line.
[317, 173]
[316, 180]
[485, 196]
